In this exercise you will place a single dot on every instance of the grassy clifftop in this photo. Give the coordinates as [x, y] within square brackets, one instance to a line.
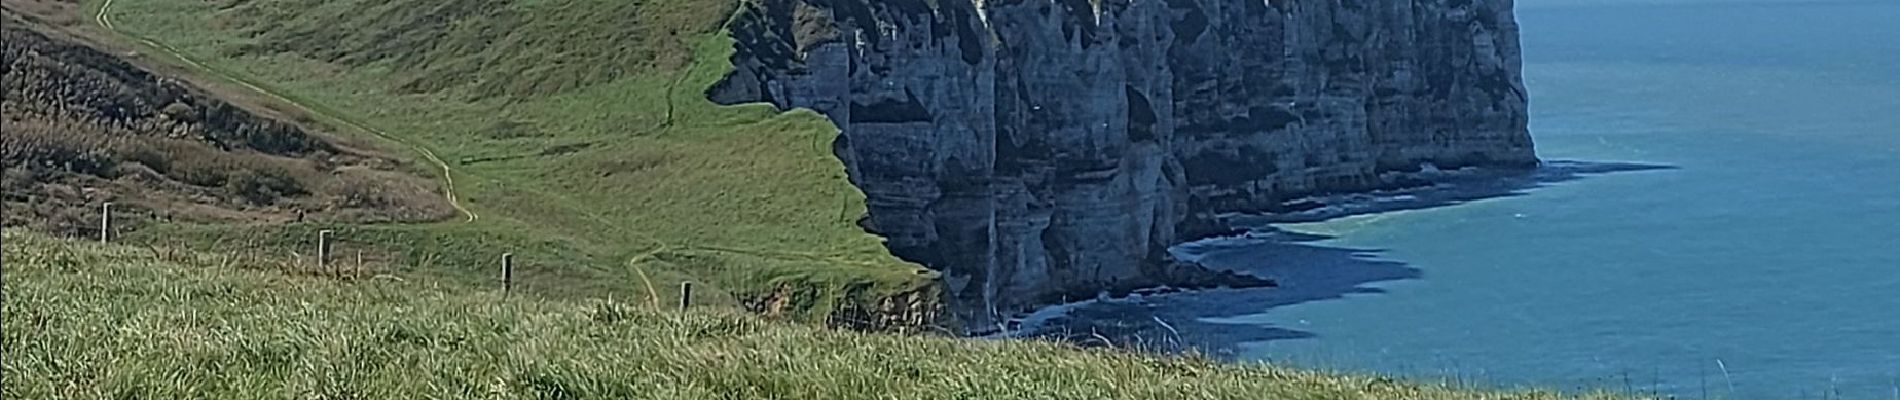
[89, 321]
[575, 130]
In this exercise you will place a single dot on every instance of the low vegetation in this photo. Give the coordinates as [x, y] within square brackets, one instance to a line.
[84, 320]
[84, 128]
[576, 130]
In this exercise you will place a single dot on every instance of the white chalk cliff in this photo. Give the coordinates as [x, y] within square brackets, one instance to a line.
[1037, 150]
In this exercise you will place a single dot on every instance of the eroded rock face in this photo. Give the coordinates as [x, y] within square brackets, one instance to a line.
[1037, 150]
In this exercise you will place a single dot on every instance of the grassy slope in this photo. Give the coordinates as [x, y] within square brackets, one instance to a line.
[132, 140]
[82, 320]
[576, 130]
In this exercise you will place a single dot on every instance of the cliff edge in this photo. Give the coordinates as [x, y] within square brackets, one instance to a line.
[1037, 150]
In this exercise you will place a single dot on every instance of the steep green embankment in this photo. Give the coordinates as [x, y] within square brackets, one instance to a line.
[83, 128]
[575, 130]
[82, 320]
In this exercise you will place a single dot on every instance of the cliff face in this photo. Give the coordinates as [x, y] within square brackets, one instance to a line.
[1036, 150]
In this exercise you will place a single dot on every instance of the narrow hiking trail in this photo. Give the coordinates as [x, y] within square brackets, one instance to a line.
[635, 263]
[104, 19]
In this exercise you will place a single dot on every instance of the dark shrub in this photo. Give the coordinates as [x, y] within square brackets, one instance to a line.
[262, 186]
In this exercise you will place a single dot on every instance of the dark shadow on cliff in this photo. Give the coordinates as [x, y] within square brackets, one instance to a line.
[1222, 322]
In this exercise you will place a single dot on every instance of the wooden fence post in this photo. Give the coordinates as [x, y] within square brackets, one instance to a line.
[323, 249]
[105, 223]
[686, 295]
[507, 273]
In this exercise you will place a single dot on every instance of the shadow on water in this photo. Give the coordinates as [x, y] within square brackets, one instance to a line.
[1434, 189]
[1306, 270]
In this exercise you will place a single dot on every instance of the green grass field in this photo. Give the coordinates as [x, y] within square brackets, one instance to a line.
[84, 320]
[575, 129]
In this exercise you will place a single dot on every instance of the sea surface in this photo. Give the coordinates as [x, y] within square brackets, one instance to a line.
[1721, 220]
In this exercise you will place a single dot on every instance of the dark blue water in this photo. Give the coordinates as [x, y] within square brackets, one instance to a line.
[1764, 263]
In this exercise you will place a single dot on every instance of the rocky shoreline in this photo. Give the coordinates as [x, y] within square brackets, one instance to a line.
[1130, 321]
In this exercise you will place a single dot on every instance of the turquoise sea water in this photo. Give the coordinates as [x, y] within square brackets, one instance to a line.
[1764, 263]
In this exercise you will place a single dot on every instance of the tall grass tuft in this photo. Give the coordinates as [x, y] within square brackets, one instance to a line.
[84, 320]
